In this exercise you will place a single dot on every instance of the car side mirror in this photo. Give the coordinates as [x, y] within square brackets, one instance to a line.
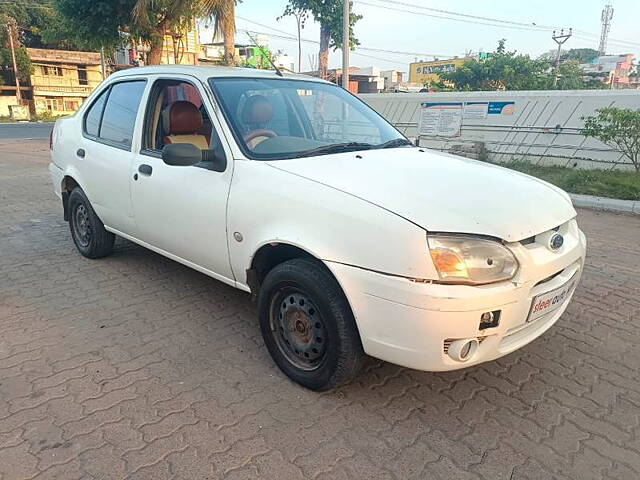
[181, 154]
[188, 155]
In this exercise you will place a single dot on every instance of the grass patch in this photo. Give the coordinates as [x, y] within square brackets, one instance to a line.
[602, 183]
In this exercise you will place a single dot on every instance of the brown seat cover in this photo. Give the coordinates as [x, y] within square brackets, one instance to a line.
[182, 123]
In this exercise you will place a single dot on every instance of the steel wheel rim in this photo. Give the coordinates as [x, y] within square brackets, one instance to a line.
[298, 329]
[81, 226]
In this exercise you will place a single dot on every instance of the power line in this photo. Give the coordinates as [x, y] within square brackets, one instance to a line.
[514, 24]
[465, 15]
[403, 10]
[369, 49]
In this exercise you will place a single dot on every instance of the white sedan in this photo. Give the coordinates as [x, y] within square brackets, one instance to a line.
[353, 240]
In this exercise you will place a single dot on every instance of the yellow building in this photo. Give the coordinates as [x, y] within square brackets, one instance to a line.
[429, 72]
[61, 80]
[181, 48]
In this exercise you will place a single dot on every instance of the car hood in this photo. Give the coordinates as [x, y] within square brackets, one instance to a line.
[442, 192]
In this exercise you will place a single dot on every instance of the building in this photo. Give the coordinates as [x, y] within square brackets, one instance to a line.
[614, 70]
[179, 48]
[284, 62]
[426, 73]
[392, 80]
[62, 79]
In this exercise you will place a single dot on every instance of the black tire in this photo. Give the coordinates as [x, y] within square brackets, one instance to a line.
[327, 352]
[87, 231]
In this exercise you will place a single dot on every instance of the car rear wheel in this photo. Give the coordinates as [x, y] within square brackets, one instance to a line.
[307, 325]
[87, 231]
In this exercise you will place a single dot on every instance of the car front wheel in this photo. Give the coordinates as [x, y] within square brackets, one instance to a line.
[307, 325]
[87, 231]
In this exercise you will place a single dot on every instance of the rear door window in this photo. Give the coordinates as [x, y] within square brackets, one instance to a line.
[120, 112]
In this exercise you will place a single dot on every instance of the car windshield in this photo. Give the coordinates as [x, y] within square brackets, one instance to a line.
[279, 118]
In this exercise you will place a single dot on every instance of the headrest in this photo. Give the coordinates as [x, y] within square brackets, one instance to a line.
[257, 110]
[181, 118]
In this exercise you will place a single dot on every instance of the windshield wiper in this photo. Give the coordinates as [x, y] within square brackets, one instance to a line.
[336, 148]
[396, 142]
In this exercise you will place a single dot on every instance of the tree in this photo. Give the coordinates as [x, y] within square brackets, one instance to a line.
[328, 13]
[502, 70]
[159, 17]
[96, 24]
[571, 77]
[100, 23]
[617, 127]
[30, 20]
[581, 55]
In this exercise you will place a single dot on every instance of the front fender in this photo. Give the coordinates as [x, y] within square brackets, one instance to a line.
[268, 205]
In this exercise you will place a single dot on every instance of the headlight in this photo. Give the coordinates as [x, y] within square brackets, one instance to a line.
[471, 260]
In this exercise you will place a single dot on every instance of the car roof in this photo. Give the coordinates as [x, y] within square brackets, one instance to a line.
[206, 72]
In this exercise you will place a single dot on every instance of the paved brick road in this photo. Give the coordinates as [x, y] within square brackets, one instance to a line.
[137, 367]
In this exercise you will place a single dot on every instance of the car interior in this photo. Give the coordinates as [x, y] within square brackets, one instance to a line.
[178, 115]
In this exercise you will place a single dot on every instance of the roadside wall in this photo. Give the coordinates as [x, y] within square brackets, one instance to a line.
[541, 127]
[5, 101]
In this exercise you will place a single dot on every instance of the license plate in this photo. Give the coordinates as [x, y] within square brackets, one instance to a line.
[548, 302]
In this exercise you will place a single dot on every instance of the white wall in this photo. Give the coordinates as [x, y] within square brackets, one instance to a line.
[544, 127]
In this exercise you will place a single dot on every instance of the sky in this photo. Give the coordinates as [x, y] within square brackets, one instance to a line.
[394, 25]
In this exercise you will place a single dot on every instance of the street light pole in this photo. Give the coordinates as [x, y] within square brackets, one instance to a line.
[16, 73]
[345, 44]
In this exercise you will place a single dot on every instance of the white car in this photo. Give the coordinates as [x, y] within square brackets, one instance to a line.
[353, 240]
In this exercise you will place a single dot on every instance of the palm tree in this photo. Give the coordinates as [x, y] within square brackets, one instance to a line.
[156, 18]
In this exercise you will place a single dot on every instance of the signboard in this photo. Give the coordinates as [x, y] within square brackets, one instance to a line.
[442, 119]
[501, 108]
[476, 109]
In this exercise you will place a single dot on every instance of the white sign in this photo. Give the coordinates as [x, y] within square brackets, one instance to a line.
[442, 119]
[476, 109]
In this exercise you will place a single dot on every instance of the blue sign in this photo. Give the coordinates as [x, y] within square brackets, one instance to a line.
[501, 108]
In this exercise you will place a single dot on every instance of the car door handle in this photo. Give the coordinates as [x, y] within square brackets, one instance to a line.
[145, 169]
[80, 152]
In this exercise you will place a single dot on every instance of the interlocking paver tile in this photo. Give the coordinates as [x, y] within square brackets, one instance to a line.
[137, 367]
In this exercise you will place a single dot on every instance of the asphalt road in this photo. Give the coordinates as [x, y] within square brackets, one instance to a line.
[25, 130]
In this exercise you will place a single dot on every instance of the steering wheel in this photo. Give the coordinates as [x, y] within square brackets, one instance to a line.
[259, 132]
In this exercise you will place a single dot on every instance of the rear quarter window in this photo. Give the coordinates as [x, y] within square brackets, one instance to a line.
[94, 114]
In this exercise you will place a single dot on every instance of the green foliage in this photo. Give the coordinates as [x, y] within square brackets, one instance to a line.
[581, 55]
[617, 127]
[602, 183]
[92, 25]
[6, 61]
[327, 13]
[504, 70]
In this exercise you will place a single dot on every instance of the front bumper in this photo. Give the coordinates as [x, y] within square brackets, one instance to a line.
[412, 324]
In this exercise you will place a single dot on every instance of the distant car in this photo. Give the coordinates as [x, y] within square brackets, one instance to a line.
[353, 240]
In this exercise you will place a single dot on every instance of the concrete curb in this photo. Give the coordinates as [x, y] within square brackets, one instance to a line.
[608, 204]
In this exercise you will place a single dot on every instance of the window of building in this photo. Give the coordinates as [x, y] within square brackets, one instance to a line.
[82, 75]
[52, 71]
[71, 105]
[54, 104]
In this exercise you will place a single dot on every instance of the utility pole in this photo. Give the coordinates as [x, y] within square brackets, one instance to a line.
[560, 39]
[102, 65]
[605, 17]
[300, 18]
[10, 26]
[346, 44]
